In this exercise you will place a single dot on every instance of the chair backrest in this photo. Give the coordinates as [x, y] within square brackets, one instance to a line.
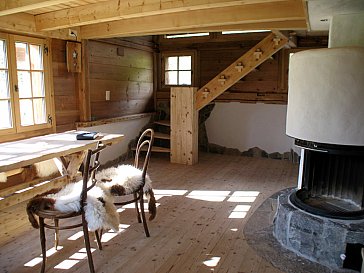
[91, 164]
[145, 140]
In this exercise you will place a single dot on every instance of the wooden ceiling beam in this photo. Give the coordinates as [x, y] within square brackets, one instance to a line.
[24, 23]
[115, 10]
[21, 22]
[279, 25]
[263, 14]
[8, 7]
[276, 25]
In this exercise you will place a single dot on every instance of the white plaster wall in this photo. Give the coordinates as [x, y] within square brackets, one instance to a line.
[244, 126]
[347, 30]
[130, 129]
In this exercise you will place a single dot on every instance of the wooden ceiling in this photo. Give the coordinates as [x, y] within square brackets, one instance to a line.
[119, 18]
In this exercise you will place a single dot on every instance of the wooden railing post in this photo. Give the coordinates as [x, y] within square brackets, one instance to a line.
[184, 125]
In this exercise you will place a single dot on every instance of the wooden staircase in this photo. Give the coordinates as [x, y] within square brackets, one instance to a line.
[240, 68]
[162, 137]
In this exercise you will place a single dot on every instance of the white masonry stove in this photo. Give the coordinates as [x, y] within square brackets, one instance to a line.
[323, 219]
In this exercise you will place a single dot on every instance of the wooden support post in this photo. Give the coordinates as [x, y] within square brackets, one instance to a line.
[184, 125]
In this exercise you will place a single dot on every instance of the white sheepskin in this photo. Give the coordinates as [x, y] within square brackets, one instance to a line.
[127, 176]
[46, 168]
[98, 214]
[3, 177]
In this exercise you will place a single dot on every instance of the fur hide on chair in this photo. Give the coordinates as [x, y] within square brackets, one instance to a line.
[100, 211]
[126, 179]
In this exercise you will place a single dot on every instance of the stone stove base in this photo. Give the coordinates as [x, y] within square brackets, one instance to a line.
[319, 239]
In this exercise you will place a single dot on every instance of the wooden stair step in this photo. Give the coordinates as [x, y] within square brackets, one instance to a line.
[161, 135]
[160, 149]
[156, 149]
[163, 122]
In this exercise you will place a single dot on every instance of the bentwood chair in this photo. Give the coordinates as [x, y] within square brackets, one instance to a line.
[144, 144]
[91, 164]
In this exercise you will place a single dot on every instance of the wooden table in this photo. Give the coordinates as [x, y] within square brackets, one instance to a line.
[62, 146]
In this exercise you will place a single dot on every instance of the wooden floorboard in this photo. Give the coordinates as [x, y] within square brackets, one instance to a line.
[193, 230]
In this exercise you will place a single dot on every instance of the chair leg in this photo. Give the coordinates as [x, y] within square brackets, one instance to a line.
[42, 243]
[98, 238]
[137, 208]
[87, 244]
[56, 234]
[143, 214]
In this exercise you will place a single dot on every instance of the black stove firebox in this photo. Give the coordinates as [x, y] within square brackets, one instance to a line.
[332, 180]
[323, 218]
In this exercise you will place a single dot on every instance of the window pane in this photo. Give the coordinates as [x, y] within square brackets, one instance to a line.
[171, 77]
[22, 55]
[26, 112]
[185, 77]
[36, 57]
[171, 63]
[25, 90]
[37, 84]
[39, 111]
[185, 63]
[4, 84]
[5, 114]
[3, 58]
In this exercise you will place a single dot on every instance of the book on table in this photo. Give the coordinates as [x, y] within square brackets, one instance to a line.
[88, 135]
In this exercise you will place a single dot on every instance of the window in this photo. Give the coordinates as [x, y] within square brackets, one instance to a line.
[178, 69]
[187, 35]
[25, 103]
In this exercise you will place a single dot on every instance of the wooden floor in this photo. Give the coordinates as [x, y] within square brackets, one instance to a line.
[199, 227]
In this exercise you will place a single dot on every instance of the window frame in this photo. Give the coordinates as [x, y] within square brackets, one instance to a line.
[165, 55]
[11, 130]
[19, 131]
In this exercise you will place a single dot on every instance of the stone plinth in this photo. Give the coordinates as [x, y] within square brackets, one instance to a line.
[319, 239]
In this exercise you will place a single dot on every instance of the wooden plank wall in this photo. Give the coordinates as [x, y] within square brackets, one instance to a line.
[65, 89]
[267, 84]
[125, 71]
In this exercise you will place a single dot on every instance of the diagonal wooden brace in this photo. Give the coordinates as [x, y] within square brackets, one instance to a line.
[233, 73]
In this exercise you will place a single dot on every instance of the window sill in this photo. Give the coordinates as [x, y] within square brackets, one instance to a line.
[24, 135]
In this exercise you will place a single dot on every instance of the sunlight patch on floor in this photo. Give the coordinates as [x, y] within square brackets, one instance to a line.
[243, 196]
[158, 194]
[107, 236]
[73, 259]
[66, 264]
[239, 211]
[132, 206]
[39, 259]
[76, 236]
[213, 196]
[212, 262]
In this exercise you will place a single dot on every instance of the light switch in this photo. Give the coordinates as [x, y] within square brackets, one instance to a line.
[107, 95]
